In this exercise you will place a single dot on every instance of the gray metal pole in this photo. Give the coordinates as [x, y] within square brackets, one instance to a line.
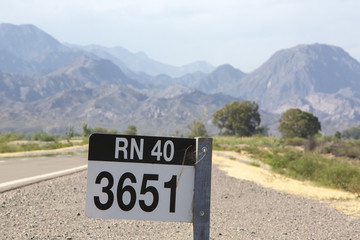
[202, 191]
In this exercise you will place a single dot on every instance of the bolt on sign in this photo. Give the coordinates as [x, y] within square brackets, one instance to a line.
[147, 178]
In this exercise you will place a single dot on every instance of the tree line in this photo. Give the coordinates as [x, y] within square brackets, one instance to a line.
[87, 130]
[239, 119]
[234, 119]
[243, 119]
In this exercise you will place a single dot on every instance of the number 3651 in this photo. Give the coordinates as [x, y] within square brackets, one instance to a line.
[146, 188]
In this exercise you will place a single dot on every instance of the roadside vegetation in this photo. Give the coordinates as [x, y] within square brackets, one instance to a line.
[301, 152]
[326, 161]
[21, 142]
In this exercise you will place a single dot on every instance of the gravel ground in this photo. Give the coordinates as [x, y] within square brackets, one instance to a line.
[55, 209]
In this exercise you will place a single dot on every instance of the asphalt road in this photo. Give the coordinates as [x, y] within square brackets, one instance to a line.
[23, 170]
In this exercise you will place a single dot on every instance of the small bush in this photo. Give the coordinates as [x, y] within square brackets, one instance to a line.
[4, 147]
[255, 164]
[9, 136]
[342, 176]
[39, 136]
[255, 152]
[40, 141]
[296, 141]
[280, 160]
[306, 167]
[343, 148]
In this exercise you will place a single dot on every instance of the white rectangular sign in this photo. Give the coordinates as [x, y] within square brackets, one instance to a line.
[141, 178]
[140, 191]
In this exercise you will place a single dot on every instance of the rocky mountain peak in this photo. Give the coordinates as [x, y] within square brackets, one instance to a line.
[300, 71]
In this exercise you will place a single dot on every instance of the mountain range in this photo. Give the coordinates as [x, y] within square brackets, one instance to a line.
[49, 86]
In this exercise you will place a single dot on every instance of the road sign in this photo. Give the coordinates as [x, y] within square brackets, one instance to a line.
[141, 177]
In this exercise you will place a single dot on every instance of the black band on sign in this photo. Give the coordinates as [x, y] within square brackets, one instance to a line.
[142, 149]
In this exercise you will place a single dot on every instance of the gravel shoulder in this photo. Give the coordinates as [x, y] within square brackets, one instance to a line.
[240, 209]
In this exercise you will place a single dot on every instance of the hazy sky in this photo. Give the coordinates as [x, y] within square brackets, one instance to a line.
[244, 33]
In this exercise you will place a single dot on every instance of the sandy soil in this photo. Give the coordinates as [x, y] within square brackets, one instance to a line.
[238, 166]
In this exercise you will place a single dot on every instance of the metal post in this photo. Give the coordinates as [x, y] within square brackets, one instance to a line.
[202, 191]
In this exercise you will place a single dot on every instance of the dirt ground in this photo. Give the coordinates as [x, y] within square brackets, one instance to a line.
[241, 167]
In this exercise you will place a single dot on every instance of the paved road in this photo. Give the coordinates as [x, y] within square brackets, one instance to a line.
[23, 170]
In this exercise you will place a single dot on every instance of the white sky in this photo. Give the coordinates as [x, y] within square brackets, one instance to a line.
[243, 33]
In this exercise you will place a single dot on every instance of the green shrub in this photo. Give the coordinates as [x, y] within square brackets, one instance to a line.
[4, 147]
[47, 142]
[343, 148]
[306, 167]
[255, 164]
[279, 160]
[325, 172]
[258, 140]
[226, 143]
[341, 175]
[296, 141]
[39, 136]
[9, 136]
[255, 152]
